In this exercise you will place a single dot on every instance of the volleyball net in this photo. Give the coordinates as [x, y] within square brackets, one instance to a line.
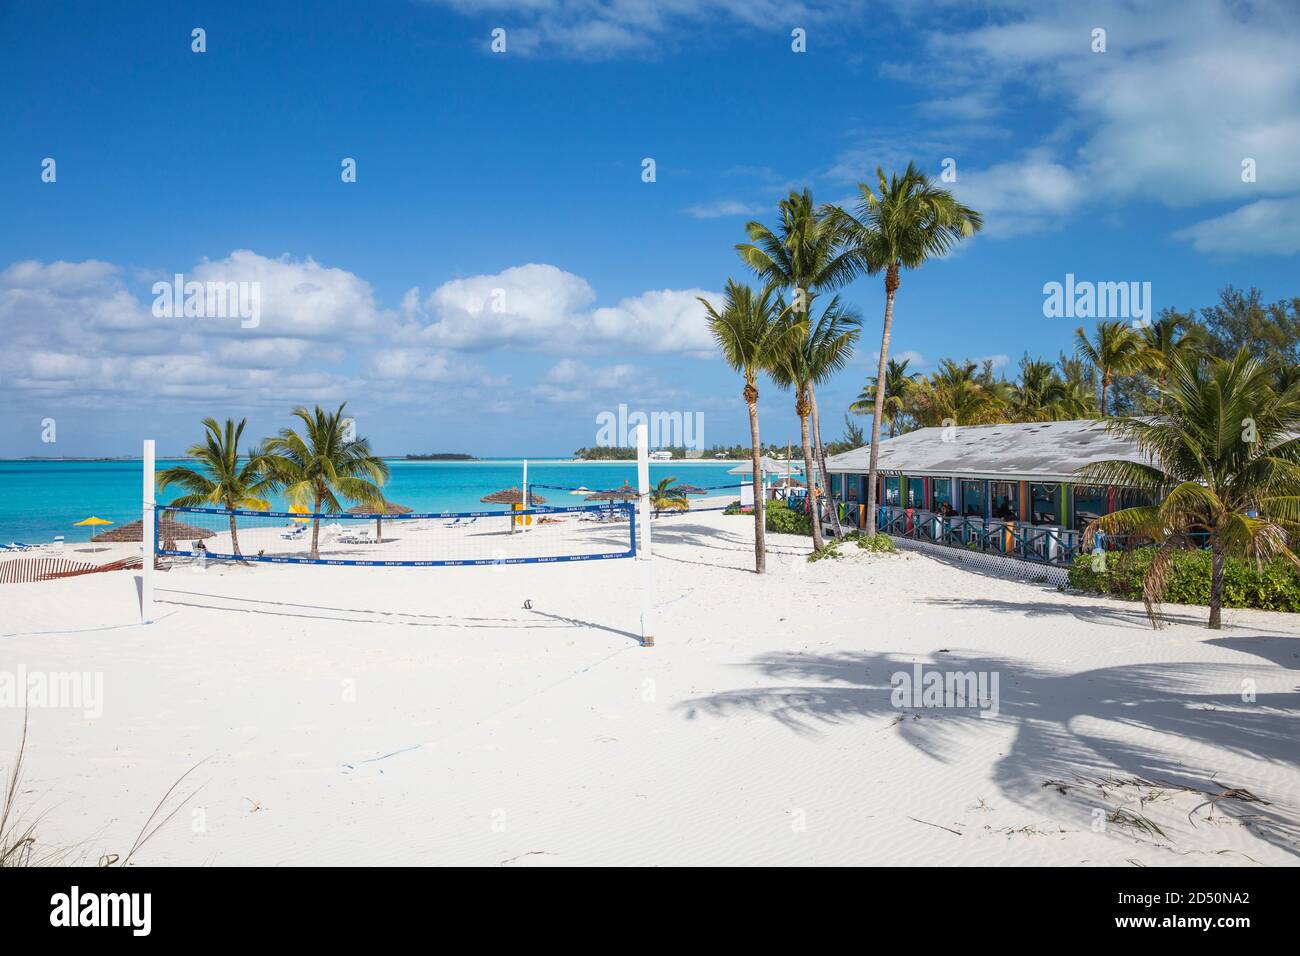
[591, 532]
[675, 499]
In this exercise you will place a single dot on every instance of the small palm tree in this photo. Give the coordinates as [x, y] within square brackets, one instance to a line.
[749, 336]
[1168, 337]
[1116, 349]
[225, 481]
[901, 225]
[953, 394]
[664, 497]
[322, 463]
[895, 404]
[1224, 465]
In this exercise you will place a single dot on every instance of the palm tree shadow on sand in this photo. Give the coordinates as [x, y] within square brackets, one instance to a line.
[1058, 722]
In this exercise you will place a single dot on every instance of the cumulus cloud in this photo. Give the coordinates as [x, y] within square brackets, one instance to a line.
[542, 308]
[721, 208]
[1267, 225]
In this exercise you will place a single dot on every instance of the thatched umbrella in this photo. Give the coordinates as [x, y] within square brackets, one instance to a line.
[626, 493]
[387, 508]
[788, 483]
[512, 496]
[515, 498]
[168, 530]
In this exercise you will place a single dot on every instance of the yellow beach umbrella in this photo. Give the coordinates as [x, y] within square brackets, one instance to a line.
[92, 521]
[299, 510]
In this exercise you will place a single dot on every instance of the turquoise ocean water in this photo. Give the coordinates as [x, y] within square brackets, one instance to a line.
[39, 499]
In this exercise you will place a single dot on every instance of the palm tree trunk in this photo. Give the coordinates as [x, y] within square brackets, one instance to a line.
[1105, 384]
[315, 531]
[234, 536]
[891, 275]
[821, 461]
[760, 537]
[812, 485]
[1216, 588]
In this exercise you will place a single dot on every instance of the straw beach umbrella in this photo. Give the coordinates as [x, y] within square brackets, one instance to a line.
[515, 498]
[512, 496]
[169, 531]
[389, 508]
[626, 493]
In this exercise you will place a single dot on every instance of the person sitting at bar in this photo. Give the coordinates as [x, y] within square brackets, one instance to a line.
[946, 510]
[1004, 511]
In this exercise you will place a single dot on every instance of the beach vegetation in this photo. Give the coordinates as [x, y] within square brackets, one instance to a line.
[750, 336]
[223, 479]
[1222, 470]
[323, 463]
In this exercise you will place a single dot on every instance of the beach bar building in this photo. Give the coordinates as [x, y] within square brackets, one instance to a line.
[1010, 489]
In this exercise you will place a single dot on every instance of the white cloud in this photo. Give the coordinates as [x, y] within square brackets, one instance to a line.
[1183, 93]
[1266, 226]
[542, 308]
[722, 207]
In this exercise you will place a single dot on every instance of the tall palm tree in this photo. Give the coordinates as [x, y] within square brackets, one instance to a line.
[900, 225]
[1224, 463]
[895, 404]
[750, 337]
[225, 481]
[813, 352]
[830, 346]
[803, 256]
[320, 464]
[1115, 349]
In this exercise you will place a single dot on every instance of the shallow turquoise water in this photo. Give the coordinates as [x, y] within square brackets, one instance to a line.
[39, 499]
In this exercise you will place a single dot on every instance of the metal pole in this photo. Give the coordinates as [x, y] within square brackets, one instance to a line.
[147, 536]
[525, 495]
[647, 578]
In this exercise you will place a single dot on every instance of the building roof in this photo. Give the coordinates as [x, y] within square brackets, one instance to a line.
[1031, 451]
[770, 466]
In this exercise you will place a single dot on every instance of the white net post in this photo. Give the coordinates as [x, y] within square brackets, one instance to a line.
[524, 496]
[147, 535]
[643, 554]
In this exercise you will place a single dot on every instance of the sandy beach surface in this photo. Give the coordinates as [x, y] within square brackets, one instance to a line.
[507, 715]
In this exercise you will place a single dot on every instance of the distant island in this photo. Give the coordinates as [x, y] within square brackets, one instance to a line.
[442, 456]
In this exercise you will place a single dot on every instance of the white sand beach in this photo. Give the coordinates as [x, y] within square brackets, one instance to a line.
[426, 716]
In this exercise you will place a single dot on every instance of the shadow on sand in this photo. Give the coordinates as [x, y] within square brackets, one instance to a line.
[1058, 721]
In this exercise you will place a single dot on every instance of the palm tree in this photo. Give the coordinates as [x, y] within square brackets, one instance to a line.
[321, 464]
[1225, 464]
[225, 482]
[813, 352]
[1116, 349]
[805, 257]
[749, 336]
[830, 346]
[1168, 337]
[895, 404]
[953, 394]
[905, 223]
[1040, 394]
[664, 497]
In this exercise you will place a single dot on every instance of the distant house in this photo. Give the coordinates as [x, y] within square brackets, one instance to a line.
[1010, 488]
[661, 456]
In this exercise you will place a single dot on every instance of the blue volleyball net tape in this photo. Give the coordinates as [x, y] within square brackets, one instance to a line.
[538, 535]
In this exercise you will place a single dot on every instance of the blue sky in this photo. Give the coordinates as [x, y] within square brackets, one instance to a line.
[521, 171]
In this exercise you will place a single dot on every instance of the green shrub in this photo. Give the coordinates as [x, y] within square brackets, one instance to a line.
[1274, 588]
[877, 543]
[785, 521]
[831, 549]
[733, 509]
